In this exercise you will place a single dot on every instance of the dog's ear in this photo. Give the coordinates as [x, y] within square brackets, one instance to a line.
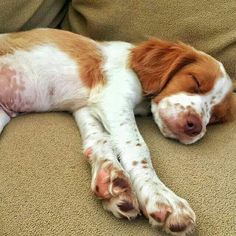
[224, 111]
[157, 61]
[234, 85]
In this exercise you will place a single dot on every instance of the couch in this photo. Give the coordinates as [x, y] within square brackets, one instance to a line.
[44, 178]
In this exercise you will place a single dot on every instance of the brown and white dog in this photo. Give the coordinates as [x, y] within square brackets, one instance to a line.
[104, 85]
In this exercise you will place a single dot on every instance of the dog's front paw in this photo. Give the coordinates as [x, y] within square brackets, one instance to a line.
[170, 212]
[111, 184]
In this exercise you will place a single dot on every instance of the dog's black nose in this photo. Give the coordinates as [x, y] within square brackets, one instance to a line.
[193, 125]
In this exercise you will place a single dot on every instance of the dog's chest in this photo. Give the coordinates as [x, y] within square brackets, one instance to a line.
[122, 83]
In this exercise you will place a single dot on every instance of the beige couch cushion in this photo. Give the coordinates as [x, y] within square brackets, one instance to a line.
[45, 180]
[208, 25]
[19, 15]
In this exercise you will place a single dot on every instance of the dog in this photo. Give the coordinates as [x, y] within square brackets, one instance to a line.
[104, 84]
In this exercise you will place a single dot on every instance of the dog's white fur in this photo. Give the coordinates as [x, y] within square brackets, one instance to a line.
[107, 124]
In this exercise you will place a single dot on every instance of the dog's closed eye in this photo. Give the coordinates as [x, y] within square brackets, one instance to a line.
[198, 85]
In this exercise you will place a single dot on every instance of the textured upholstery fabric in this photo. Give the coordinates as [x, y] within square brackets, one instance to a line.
[19, 15]
[44, 178]
[208, 25]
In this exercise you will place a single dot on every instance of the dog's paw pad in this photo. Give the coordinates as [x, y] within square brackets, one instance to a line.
[181, 220]
[126, 206]
[123, 206]
[113, 185]
[161, 215]
[171, 213]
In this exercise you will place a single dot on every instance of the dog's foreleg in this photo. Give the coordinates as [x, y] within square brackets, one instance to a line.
[159, 204]
[109, 180]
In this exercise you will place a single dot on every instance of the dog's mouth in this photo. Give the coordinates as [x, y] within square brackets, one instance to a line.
[187, 127]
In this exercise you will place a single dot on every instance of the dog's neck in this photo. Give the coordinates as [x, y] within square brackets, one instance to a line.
[149, 81]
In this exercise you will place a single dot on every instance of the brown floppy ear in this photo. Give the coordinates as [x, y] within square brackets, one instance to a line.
[157, 61]
[234, 85]
[231, 112]
[225, 111]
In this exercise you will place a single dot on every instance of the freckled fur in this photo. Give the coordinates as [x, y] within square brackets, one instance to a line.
[144, 161]
[134, 163]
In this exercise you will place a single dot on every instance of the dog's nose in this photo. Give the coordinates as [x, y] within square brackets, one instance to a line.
[193, 125]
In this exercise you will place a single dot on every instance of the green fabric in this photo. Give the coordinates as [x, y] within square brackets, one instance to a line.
[19, 15]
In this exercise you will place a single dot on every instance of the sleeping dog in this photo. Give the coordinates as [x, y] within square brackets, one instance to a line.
[104, 84]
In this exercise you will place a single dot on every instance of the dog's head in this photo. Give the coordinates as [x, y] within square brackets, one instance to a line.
[189, 89]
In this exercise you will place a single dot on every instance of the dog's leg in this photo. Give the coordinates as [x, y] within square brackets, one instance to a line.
[159, 204]
[4, 119]
[109, 180]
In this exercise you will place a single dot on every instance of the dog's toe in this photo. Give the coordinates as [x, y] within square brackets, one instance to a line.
[113, 186]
